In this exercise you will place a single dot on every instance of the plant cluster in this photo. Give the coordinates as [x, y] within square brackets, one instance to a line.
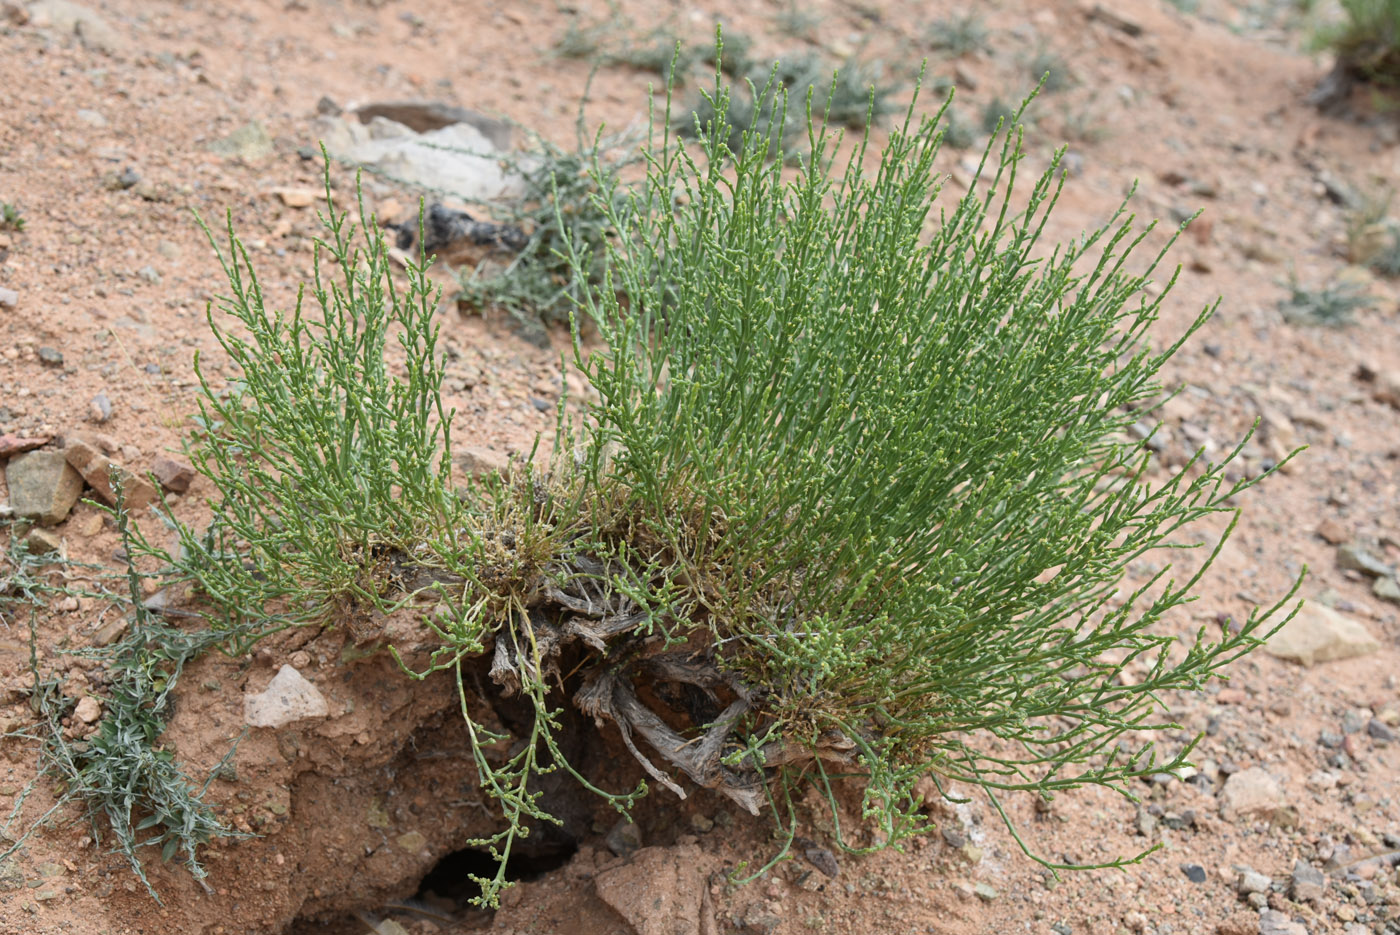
[1367, 41]
[1372, 236]
[1333, 304]
[854, 499]
[782, 98]
[126, 781]
[1385, 260]
[10, 217]
[797, 22]
[1050, 71]
[661, 51]
[558, 206]
[960, 35]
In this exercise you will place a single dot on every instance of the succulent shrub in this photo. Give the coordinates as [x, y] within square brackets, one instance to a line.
[853, 497]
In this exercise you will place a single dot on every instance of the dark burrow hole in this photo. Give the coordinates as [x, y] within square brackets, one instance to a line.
[444, 895]
[450, 881]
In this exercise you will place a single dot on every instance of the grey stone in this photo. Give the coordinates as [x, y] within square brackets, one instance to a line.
[759, 921]
[100, 409]
[1387, 589]
[625, 838]
[457, 159]
[1307, 882]
[11, 876]
[426, 116]
[824, 860]
[1194, 872]
[1320, 634]
[50, 357]
[1180, 821]
[92, 118]
[1354, 557]
[1273, 922]
[68, 18]
[1252, 881]
[986, 892]
[288, 697]
[121, 181]
[1251, 793]
[1379, 730]
[249, 142]
[43, 486]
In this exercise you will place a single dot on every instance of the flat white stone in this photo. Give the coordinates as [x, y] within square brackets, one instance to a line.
[1320, 634]
[289, 697]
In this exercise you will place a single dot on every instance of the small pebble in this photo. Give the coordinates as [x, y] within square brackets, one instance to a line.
[88, 709]
[100, 409]
[50, 357]
[121, 181]
[1251, 881]
[1194, 872]
[625, 838]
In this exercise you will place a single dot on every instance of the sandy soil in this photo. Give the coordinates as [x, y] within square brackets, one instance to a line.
[1205, 109]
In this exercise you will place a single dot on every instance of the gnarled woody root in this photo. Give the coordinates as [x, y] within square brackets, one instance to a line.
[608, 693]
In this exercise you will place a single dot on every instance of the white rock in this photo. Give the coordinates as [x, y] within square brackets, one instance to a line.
[456, 159]
[1320, 634]
[289, 697]
[70, 18]
[1252, 881]
[1273, 922]
[1251, 792]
